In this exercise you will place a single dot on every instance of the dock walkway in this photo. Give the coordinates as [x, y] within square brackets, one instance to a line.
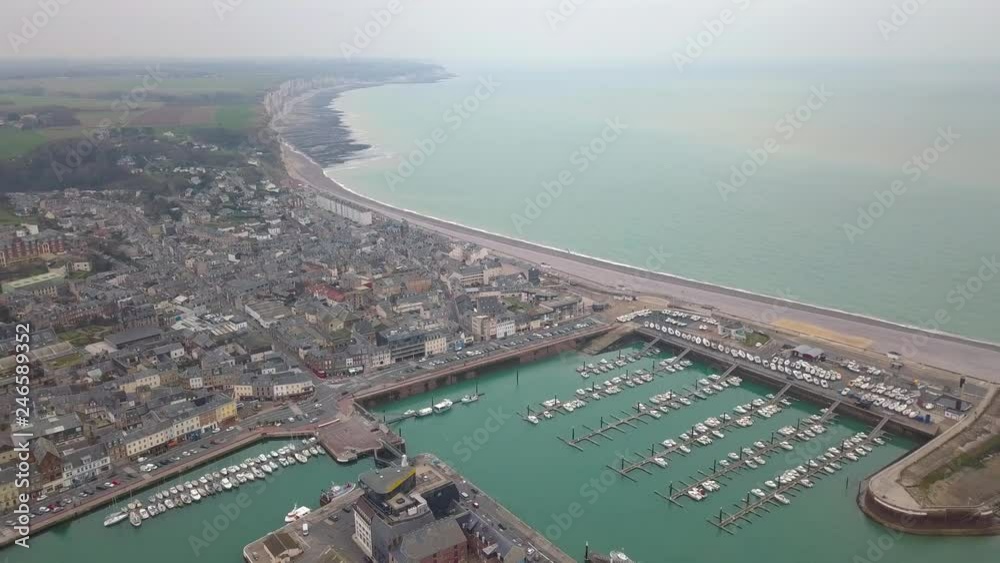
[751, 507]
[665, 451]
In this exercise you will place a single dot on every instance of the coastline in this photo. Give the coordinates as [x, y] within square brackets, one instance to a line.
[950, 352]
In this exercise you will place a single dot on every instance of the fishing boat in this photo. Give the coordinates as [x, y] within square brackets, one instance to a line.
[335, 491]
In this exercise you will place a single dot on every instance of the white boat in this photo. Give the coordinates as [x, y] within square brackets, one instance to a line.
[300, 458]
[466, 399]
[169, 503]
[758, 493]
[115, 517]
[532, 419]
[144, 514]
[443, 406]
[782, 499]
[660, 461]
[425, 411]
[135, 518]
[195, 496]
[226, 484]
[296, 513]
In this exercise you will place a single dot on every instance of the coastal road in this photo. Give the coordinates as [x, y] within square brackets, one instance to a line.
[945, 351]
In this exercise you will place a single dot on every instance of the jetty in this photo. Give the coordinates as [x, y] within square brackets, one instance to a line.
[754, 506]
[665, 451]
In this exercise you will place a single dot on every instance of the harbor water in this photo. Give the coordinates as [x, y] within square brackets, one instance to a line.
[572, 497]
[213, 530]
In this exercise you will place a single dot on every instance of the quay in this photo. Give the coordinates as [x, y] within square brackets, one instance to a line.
[470, 368]
[751, 507]
[627, 468]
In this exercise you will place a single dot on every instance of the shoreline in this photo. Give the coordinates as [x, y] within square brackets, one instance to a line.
[950, 352]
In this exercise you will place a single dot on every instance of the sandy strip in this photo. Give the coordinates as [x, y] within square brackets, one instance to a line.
[945, 351]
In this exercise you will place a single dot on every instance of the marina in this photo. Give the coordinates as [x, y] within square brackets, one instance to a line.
[696, 433]
[264, 466]
[747, 458]
[566, 475]
[214, 529]
[794, 480]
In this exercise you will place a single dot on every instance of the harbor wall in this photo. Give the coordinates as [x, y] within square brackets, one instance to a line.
[473, 367]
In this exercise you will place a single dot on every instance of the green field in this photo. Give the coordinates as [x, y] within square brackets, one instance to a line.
[236, 117]
[14, 142]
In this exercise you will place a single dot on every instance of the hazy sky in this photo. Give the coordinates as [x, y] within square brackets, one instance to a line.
[502, 30]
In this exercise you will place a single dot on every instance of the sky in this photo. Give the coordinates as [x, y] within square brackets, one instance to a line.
[460, 31]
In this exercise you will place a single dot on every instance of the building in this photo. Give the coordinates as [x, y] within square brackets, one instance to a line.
[436, 344]
[398, 501]
[506, 326]
[442, 541]
[345, 210]
[8, 488]
[42, 284]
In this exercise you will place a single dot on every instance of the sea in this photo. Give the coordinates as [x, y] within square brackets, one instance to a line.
[868, 188]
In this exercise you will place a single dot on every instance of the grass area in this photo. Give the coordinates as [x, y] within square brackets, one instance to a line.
[83, 336]
[66, 361]
[237, 116]
[239, 83]
[966, 460]
[754, 338]
[12, 102]
[7, 217]
[14, 142]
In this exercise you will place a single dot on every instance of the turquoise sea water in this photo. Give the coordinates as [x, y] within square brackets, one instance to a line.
[651, 198]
